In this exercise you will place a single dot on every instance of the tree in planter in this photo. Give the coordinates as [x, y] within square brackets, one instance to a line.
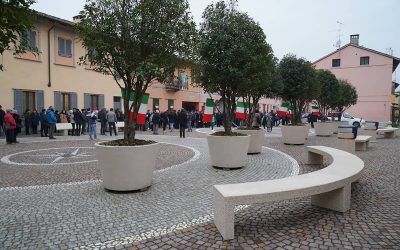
[136, 42]
[260, 81]
[300, 84]
[229, 40]
[329, 91]
[16, 20]
[346, 97]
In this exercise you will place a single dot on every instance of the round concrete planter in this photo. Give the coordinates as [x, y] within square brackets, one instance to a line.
[323, 128]
[228, 151]
[127, 168]
[295, 135]
[256, 140]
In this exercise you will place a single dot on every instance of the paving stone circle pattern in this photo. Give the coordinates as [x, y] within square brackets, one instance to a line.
[62, 205]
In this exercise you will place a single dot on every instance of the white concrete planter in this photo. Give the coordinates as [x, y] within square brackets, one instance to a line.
[294, 134]
[336, 124]
[127, 168]
[256, 140]
[228, 151]
[323, 128]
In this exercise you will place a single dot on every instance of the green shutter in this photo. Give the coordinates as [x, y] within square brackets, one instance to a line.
[18, 100]
[86, 101]
[39, 100]
[74, 100]
[101, 102]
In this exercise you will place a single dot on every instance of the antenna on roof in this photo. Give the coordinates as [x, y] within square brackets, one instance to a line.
[338, 44]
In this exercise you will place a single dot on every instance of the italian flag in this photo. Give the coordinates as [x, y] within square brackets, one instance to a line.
[208, 111]
[240, 109]
[282, 111]
[141, 118]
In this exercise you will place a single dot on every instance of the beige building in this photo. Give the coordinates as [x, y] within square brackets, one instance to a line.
[53, 77]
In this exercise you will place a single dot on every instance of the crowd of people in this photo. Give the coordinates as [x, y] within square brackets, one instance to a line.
[85, 121]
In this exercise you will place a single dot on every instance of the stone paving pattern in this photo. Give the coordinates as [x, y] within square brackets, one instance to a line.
[83, 215]
[25, 175]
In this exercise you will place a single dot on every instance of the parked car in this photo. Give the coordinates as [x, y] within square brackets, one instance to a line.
[348, 118]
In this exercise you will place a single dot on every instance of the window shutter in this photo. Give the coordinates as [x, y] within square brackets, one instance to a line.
[18, 100]
[57, 100]
[74, 100]
[101, 102]
[39, 100]
[60, 46]
[68, 48]
[32, 39]
[86, 101]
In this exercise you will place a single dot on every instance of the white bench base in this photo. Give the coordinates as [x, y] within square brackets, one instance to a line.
[64, 127]
[361, 143]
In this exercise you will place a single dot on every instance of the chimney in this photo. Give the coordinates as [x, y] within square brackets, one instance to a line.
[354, 39]
[76, 18]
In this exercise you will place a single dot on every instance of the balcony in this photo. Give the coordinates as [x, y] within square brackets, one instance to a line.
[172, 84]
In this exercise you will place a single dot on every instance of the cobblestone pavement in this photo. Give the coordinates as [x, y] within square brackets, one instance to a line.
[82, 214]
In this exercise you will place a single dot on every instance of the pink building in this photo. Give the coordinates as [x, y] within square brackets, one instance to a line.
[370, 72]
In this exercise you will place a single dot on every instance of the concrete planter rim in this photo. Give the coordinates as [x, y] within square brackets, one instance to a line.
[99, 144]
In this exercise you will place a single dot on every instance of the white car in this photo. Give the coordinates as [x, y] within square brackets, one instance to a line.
[352, 120]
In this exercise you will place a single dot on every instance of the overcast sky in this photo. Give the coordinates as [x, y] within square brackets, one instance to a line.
[307, 28]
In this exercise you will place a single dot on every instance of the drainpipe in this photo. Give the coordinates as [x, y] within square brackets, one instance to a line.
[48, 57]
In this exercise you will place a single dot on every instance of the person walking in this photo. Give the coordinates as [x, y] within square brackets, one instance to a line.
[10, 126]
[182, 121]
[92, 125]
[2, 114]
[171, 120]
[52, 120]
[112, 119]
[44, 130]
[268, 123]
[155, 120]
[103, 121]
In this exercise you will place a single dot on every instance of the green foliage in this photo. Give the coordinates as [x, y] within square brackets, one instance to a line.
[15, 20]
[300, 84]
[347, 96]
[232, 52]
[329, 90]
[137, 42]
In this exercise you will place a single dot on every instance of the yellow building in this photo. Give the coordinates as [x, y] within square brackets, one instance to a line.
[54, 78]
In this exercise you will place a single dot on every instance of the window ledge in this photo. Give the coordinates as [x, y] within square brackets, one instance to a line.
[66, 65]
[28, 59]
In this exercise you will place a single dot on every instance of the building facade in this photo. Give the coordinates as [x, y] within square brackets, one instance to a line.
[54, 77]
[370, 72]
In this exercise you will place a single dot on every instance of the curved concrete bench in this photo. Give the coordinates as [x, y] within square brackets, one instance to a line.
[329, 187]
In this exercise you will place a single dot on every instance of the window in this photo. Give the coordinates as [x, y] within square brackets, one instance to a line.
[28, 100]
[335, 62]
[170, 103]
[156, 103]
[117, 102]
[94, 101]
[66, 101]
[28, 40]
[64, 47]
[364, 60]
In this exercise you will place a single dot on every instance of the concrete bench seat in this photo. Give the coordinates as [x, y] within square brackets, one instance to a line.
[362, 142]
[329, 188]
[387, 132]
[64, 127]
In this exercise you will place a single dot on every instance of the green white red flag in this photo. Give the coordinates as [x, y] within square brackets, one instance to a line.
[141, 118]
[241, 107]
[208, 111]
[282, 111]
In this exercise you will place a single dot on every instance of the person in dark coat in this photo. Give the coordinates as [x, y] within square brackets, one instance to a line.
[35, 119]
[27, 121]
[182, 121]
[18, 122]
[78, 121]
[2, 114]
[155, 119]
[43, 124]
